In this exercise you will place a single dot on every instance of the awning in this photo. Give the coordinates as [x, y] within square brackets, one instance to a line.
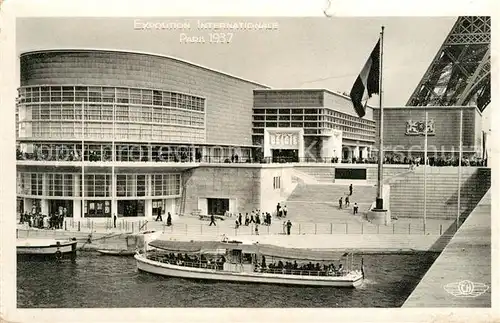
[184, 246]
[214, 247]
[300, 254]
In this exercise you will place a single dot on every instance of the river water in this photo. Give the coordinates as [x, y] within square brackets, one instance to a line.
[96, 281]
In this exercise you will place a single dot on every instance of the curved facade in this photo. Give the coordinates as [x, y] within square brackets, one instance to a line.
[113, 106]
[156, 98]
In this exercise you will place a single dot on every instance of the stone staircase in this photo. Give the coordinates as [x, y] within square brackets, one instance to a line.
[407, 192]
[319, 203]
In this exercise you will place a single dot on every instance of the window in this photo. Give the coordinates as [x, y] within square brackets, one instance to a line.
[276, 182]
[165, 184]
[36, 184]
[97, 185]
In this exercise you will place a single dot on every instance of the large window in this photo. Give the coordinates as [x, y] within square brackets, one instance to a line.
[165, 184]
[60, 184]
[37, 184]
[62, 106]
[127, 185]
[97, 185]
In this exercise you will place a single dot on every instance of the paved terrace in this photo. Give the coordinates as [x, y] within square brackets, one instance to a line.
[357, 235]
[467, 257]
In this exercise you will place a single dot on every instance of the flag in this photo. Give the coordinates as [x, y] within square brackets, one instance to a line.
[367, 82]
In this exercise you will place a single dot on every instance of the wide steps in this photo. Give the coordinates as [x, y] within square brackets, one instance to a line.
[407, 196]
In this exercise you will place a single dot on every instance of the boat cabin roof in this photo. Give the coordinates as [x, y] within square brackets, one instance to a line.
[255, 248]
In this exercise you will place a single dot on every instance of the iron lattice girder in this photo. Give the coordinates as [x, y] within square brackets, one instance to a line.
[460, 72]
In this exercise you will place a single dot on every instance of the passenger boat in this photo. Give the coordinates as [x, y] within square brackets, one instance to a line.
[50, 248]
[250, 263]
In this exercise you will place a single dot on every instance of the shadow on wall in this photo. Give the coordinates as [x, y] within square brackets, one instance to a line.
[471, 192]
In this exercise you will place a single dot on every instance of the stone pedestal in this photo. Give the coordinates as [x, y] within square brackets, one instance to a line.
[376, 216]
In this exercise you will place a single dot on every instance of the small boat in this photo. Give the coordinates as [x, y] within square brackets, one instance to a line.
[49, 248]
[239, 262]
[115, 252]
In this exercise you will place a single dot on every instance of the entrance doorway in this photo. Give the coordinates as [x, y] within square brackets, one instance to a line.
[217, 206]
[58, 206]
[346, 154]
[131, 207]
[285, 155]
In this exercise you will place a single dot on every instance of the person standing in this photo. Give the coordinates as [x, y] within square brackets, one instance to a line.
[347, 201]
[350, 189]
[239, 218]
[212, 220]
[285, 211]
[169, 219]
[256, 229]
[114, 220]
[278, 210]
[247, 220]
[340, 202]
[288, 227]
[355, 208]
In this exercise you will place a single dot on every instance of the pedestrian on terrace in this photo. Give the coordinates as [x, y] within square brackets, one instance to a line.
[212, 220]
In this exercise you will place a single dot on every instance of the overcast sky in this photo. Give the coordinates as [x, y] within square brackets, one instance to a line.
[316, 52]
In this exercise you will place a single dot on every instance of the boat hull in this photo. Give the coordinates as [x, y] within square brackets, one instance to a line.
[171, 270]
[122, 253]
[45, 249]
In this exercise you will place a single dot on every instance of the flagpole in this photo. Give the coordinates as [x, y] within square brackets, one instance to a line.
[113, 159]
[425, 168]
[83, 161]
[459, 168]
[380, 200]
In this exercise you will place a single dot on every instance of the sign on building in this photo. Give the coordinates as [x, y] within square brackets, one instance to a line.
[417, 128]
[284, 139]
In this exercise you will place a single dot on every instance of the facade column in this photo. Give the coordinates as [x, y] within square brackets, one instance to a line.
[114, 202]
[364, 152]
[44, 203]
[355, 152]
[77, 202]
[148, 209]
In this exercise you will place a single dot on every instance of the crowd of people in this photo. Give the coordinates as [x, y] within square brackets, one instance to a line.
[190, 260]
[277, 267]
[294, 268]
[256, 217]
[37, 220]
[70, 155]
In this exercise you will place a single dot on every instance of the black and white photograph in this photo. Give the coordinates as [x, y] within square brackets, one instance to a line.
[322, 161]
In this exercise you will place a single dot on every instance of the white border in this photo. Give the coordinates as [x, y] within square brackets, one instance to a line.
[92, 8]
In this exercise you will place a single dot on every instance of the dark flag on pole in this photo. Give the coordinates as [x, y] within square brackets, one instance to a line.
[367, 82]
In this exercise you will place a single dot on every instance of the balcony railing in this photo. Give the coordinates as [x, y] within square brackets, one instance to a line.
[234, 159]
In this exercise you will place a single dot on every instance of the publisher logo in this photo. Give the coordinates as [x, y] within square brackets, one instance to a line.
[466, 288]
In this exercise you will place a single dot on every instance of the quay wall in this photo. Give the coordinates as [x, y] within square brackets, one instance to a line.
[467, 258]
[377, 243]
